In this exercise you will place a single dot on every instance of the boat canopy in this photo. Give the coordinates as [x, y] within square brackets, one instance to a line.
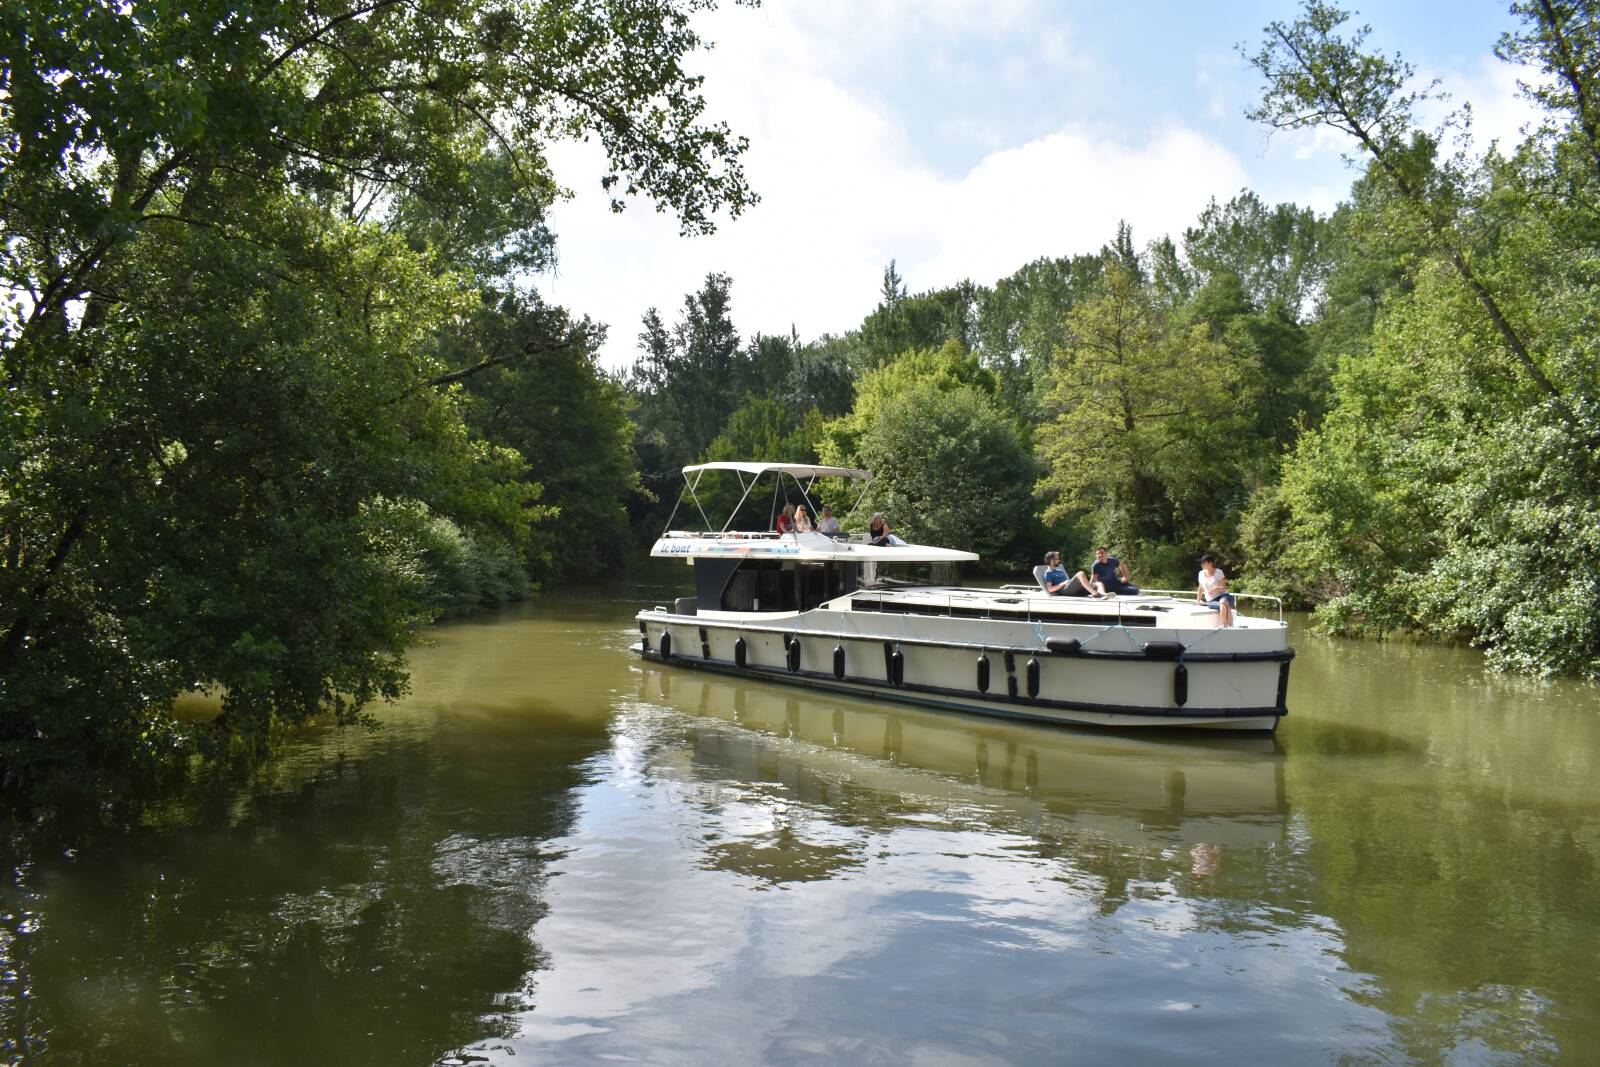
[767, 543]
[798, 470]
[751, 473]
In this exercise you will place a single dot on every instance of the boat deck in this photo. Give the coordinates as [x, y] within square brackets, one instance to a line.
[1024, 604]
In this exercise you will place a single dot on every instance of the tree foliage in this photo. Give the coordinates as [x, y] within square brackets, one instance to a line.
[548, 399]
[949, 469]
[1021, 320]
[1278, 254]
[231, 237]
[903, 322]
[1453, 487]
[1149, 416]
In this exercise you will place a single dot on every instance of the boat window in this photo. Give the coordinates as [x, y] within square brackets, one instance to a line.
[890, 575]
[762, 585]
[740, 592]
[813, 584]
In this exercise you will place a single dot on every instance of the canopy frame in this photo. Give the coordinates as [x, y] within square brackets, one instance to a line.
[693, 474]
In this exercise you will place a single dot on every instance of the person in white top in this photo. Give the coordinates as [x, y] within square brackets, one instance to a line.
[1212, 590]
[802, 520]
[826, 523]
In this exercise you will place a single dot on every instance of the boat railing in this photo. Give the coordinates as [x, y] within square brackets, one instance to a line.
[734, 535]
[856, 537]
[1176, 594]
[1188, 594]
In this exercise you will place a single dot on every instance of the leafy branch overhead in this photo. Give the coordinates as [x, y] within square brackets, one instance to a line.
[1318, 76]
[239, 243]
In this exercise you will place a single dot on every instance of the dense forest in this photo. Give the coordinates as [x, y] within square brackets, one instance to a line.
[280, 385]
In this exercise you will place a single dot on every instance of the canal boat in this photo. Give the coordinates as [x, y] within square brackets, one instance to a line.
[891, 621]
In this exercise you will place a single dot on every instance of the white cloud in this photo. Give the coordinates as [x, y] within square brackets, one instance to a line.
[1301, 165]
[844, 190]
[1499, 110]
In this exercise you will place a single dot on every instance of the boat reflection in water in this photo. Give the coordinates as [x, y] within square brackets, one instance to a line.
[1182, 799]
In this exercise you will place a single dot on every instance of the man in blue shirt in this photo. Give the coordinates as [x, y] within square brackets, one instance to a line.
[1056, 582]
[1111, 573]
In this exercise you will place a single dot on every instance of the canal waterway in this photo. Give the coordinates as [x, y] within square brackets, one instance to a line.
[553, 853]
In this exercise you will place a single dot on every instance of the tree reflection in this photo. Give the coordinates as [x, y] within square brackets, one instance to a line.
[375, 908]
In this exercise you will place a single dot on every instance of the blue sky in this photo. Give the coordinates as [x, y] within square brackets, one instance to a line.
[963, 139]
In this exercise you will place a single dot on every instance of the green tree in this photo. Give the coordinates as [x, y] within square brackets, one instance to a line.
[1277, 349]
[926, 320]
[949, 470]
[767, 429]
[1148, 422]
[820, 376]
[1453, 486]
[233, 237]
[1317, 77]
[689, 380]
[947, 368]
[1020, 324]
[1280, 254]
[548, 399]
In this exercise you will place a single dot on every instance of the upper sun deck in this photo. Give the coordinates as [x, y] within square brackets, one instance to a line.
[768, 543]
[807, 547]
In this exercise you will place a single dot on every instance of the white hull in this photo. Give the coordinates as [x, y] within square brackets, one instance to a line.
[1212, 679]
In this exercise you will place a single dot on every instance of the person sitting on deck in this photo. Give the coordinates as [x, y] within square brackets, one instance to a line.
[1213, 589]
[1056, 582]
[826, 523]
[878, 532]
[785, 523]
[1111, 573]
[802, 520]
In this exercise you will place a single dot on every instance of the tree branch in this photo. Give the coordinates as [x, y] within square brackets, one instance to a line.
[312, 37]
[18, 632]
[1568, 69]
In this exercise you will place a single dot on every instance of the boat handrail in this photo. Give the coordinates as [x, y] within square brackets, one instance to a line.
[732, 535]
[853, 537]
[1186, 594]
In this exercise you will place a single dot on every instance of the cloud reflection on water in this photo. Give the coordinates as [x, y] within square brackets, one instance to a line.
[766, 877]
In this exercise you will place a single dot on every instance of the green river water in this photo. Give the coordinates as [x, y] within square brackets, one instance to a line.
[555, 854]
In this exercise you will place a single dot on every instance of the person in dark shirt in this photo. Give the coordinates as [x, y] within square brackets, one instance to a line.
[1056, 582]
[879, 531]
[1111, 574]
[785, 523]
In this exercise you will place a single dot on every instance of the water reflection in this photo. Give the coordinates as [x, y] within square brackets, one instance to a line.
[367, 899]
[1452, 827]
[807, 863]
[1218, 791]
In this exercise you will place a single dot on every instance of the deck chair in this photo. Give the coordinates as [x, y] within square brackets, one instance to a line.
[1038, 575]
